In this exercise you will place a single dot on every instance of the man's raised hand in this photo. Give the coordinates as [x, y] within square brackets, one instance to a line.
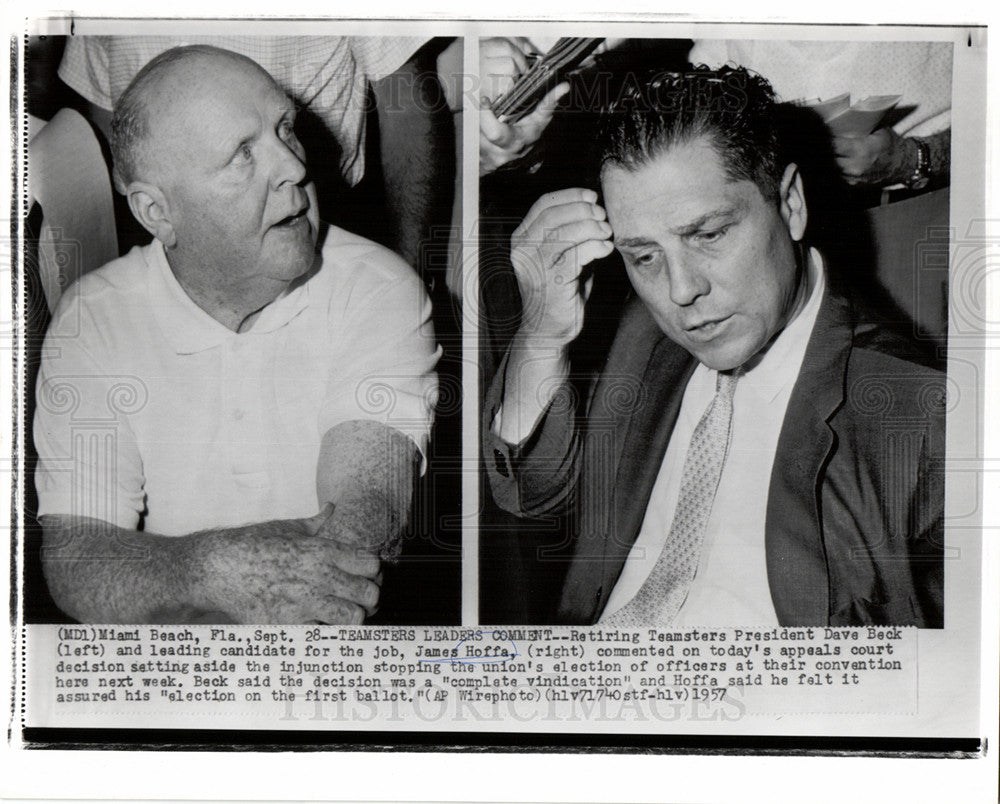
[562, 232]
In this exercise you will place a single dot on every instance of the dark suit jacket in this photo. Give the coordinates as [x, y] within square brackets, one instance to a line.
[854, 527]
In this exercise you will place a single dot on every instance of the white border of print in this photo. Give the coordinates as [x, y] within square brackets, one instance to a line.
[498, 777]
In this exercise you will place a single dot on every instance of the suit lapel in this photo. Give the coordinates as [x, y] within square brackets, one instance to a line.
[632, 414]
[796, 557]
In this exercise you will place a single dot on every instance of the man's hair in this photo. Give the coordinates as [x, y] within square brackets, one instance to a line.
[130, 127]
[732, 107]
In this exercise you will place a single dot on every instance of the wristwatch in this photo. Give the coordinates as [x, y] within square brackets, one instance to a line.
[921, 173]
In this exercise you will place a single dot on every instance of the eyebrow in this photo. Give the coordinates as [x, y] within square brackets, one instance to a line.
[289, 109]
[632, 242]
[687, 229]
[701, 222]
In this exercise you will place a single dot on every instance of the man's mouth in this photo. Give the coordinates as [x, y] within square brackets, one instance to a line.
[706, 329]
[292, 220]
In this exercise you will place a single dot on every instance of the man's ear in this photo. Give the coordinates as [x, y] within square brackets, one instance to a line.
[151, 209]
[793, 202]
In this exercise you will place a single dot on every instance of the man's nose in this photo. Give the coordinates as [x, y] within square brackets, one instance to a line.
[289, 166]
[687, 279]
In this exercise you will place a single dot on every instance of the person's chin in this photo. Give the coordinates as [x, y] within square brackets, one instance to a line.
[292, 260]
[724, 355]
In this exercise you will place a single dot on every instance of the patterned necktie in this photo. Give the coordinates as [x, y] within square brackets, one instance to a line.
[663, 593]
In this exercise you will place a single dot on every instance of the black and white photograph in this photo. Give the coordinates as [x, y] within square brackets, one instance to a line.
[428, 407]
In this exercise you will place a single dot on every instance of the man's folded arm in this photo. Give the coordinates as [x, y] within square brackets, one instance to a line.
[376, 418]
[368, 470]
[271, 572]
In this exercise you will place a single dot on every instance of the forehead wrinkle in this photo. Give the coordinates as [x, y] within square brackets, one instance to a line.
[185, 100]
[722, 212]
[694, 205]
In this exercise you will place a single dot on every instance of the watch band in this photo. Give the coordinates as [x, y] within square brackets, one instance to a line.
[921, 173]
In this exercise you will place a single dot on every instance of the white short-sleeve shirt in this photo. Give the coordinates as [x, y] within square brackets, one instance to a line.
[146, 405]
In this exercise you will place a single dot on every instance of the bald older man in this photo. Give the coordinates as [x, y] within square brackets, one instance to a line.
[229, 419]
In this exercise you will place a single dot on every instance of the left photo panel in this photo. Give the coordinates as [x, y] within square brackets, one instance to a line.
[242, 379]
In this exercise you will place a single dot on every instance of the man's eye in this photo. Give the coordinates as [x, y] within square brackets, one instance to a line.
[711, 236]
[286, 129]
[243, 154]
[645, 259]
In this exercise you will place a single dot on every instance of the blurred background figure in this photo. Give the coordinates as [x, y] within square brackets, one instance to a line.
[502, 61]
[918, 72]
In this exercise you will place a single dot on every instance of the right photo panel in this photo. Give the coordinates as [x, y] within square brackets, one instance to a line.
[703, 274]
[729, 355]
